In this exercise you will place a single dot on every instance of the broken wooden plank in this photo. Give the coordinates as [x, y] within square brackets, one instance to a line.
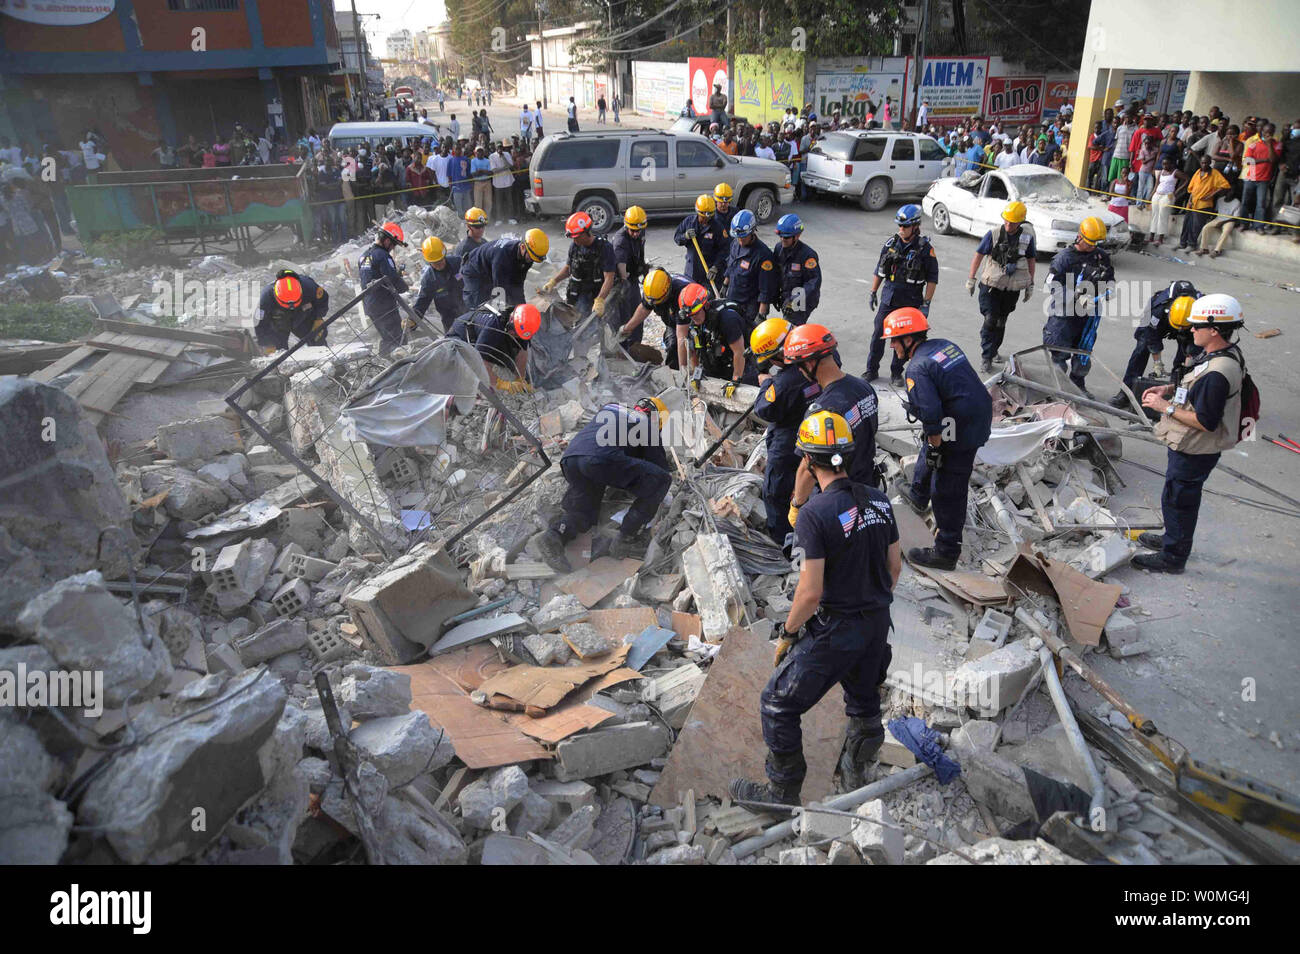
[28, 360]
[225, 341]
[137, 345]
[64, 364]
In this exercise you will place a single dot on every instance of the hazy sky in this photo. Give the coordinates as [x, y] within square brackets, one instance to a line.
[394, 15]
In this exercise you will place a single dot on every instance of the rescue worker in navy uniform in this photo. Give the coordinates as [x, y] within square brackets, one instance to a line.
[440, 285]
[1076, 279]
[811, 349]
[1200, 418]
[590, 268]
[837, 628]
[294, 304]
[476, 221]
[723, 212]
[1004, 263]
[659, 296]
[749, 277]
[718, 339]
[630, 267]
[800, 275]
[956, 415]
[701, 228]
[906, 277]
[502, 263]
[380, 303]
[1166, 317]
[501, 338]
[783, 401]
[622, 447]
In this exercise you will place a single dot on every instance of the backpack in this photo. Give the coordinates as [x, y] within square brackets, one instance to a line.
[1250, 402]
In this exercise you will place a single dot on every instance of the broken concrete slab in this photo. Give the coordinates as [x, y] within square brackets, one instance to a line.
[878, 838]
[602, 751]
[274, 639]
[717, 582]
[995, 681]
[493, 797]
[562, 609]
[403, 746]
[199, 438]
[1003, 851]
[585, 641]
[675, 692]
[369, 692]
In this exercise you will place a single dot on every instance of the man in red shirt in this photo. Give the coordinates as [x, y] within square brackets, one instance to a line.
[1259, 159]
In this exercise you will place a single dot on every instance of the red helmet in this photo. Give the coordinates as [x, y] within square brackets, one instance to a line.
[577, 223]
[288, 292]
[807, 342]
[905, 321]
[693, 298]
[393, 231]
[527, 321]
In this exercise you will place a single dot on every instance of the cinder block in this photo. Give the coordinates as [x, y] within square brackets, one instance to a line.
[282, 561]
[304, 567]
[293, 596]
[231, 567]
[327, 645]
[608, 750]
[994, 626]
[208, 603]
[275, 639]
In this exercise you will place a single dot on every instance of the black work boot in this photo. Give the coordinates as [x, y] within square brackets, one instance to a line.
[929, 556]
[986, 365]
[861, 743]
[896, 380]
[763, 795]
[1156, 563]
[634, 547]
[550, 547]
[1120, 402]
[904, 489]
[1151, 540]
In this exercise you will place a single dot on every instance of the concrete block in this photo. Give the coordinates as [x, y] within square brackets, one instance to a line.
[1100, 558]
[292, 597]
[230, 567]
[674, 692]
[493, 797]
[533, 814]
[400, 612]
[878, 844]
[715, 579]
[281, 564]
[403, 747]
[222, 657]
[571, 795]
[994, 682]
[843, 853]
[562, 609]
[577, 830]
[814, 827]
[327, 645]
[199, 438]
[893, 752]
[1122, 636]
[307, 568]
[275, 639]
[802, 856]
[999, 783]
[679, 855]
[585, 640]
[993, 626]
[608, 750]
[373, 693]
[548, 648]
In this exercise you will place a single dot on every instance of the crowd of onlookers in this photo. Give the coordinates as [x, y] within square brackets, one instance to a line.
[34, 210]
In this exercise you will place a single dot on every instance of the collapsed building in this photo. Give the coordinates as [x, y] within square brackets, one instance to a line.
[306, 582]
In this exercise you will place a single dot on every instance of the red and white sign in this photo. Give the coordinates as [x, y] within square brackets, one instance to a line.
[1013, 99]
[1059, 92]
[58, 12]
[704, 73]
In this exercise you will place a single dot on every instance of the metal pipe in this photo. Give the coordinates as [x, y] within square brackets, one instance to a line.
[1097, 806]
[1235, 857]
[1074, 398]
[845, 802]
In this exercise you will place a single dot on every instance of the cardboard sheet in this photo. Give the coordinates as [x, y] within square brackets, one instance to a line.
[595, 581]
[1086, 603]
[969, 587]
[722, 738]
[573, 714]
[546, 686]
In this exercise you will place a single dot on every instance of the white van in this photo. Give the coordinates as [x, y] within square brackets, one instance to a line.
[345, 135]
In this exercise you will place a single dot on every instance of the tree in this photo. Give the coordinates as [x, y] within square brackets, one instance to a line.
[1017, 30]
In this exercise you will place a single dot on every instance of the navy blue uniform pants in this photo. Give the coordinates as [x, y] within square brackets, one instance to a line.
[1066, 332]
[588, 477]
[996, 305]
[853, 652]
[945, 490]
[389, 326]
[778, 488]
[878, 343]
[473, 295]
[796, 318]
[1180, 502]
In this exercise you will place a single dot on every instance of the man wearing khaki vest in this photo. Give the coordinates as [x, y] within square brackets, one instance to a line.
[1004, 264]
[1199, 420]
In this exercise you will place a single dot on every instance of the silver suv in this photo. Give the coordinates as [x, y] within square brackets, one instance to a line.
[873, 164]
[602, 173]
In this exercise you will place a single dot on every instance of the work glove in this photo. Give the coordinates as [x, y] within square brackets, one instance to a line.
[729, 390]
[690, 235]
[925, 308]
[270, 349]
[875, 300]
[549, 284]
[970, 286]
[408, 324]
[696, 378]
[933, 455]
[598, 308]
[1028, 291]
[715, 273]
[784, 641]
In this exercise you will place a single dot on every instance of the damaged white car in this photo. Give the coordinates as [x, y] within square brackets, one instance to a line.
[973, 202]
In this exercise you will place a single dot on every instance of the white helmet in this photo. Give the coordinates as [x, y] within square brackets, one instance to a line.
[1216, 311]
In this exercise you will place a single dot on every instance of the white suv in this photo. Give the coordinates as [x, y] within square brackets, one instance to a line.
[873, 164]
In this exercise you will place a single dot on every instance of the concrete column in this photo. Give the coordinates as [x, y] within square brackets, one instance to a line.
[1093, 95]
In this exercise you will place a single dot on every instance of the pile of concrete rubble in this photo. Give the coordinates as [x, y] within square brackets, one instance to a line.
[485, 709]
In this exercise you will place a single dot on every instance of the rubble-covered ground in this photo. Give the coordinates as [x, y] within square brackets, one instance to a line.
[211, 562]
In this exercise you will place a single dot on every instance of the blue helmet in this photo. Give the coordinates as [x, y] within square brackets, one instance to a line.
[789, 224]
[909, 214]
[743, 224]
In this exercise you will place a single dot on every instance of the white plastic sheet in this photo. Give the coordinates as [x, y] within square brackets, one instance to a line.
[1011, 443]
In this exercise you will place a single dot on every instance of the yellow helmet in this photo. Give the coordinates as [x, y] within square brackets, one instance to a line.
[536, 244]
[705, 205]
[826, 437]
[634, 217]
[722, 192]
[1014, 212]
[1180, 311]
[1092, 230]
[476, 217]
[648, 404]
[768, 338]
[433, 250]
[656, 286]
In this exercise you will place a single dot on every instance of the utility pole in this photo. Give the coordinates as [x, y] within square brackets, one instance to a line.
[361, 62]
[920, 60]
[541, 46]
[731, 71]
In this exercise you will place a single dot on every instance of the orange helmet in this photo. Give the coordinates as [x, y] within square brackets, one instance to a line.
[693, 298]
[393, 231]
[905, 321]
[576, 224]
[527, 321]
[808, 341]
[288, 292]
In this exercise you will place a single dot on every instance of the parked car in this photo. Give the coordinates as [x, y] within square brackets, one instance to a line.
[602, 173]
[973, 202]
[371, 134]
[874, 164]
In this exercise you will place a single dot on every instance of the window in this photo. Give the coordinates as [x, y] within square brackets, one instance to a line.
[997, 189]
[871, 149]
[655, 150]
[695, 155]
[904, 150]
[202, 5]
[592, 154]
[931, 151]
[835, 146]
